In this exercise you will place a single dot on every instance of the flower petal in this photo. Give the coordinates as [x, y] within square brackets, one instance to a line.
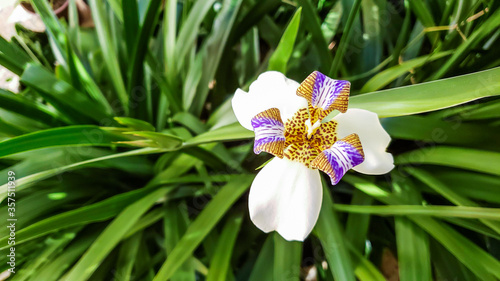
[324, 93]
[271, 89]
[373, 137]
[340, 158]
[269, 132]
[286, 196]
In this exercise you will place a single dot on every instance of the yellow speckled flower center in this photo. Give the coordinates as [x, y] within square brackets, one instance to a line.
[305, 140]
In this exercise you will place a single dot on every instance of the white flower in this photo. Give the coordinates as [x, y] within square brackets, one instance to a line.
[287, 119]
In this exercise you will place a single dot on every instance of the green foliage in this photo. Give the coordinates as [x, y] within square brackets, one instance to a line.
[130, 164]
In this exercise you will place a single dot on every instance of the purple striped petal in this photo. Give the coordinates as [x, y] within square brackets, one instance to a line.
[269, 132]
[325, 93]
[340, 158]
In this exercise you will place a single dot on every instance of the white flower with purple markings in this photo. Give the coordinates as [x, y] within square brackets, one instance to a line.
[289, 121]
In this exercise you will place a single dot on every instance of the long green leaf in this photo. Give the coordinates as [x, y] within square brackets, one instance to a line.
[109, 53]
[435, 211]
[280, 57]
[82, 135]
[24, 106]
[430, 96]
[471, 159]
[202, 225]
[112, 235]
[227, 133]
[66, 99]
[385, 77]
[287, 257]
[220, 265]
[331, 236]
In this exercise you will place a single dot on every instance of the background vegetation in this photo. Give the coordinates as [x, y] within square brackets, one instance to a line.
[130, 164]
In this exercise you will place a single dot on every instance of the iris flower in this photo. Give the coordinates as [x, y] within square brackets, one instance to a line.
[288, 119]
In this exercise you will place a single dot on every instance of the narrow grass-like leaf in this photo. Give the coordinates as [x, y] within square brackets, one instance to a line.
[213, 51]
[56, 267]
[344, 41]
[280, 57]
[227, 133]
[263, 268]
[24, 106]
[96, 212]
[312, 22]
[385, 77]
[24, 182]
[471, 159]
[126, 257]
[365, 270]
[329, 232]
[160, 140]
[109, 53]
[82, 135]
[435, 211]
[202, 225]
[471, 255]
[135, 124]
[220, 265]
[437, 94]
[487, 27]
[411, 240]
[12, 57]
[287, 257]
[187, 34]
[112, 235]
[66, 99]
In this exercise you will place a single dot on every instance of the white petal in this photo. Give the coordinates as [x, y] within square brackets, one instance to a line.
[286, 196]
[271, 90]
[373, 137]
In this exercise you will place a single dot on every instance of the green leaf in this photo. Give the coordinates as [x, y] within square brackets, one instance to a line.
[21, 105]
[227, 133]
[202, 225]
[175, 220]
[188, 32]
[109, 53]
[126, 257]
[435, 211]
[66, 99]
[471, 159]
[135, 69]
[385, 77]
[330, 233]
[344, 40]
[212, 53]
[220, 265]
[287, 258]
[12, 57]
[411, 240]
[263, 268]
[56, 267]
[489, 26]
[449, 194]
[24, 182]
[312, 23]
[430, 96]
[81, 135]
[160, 140]
[283, 52]
[432, 130]
[112, 235]
[135, 124]
[470, 254]
[96, 212]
